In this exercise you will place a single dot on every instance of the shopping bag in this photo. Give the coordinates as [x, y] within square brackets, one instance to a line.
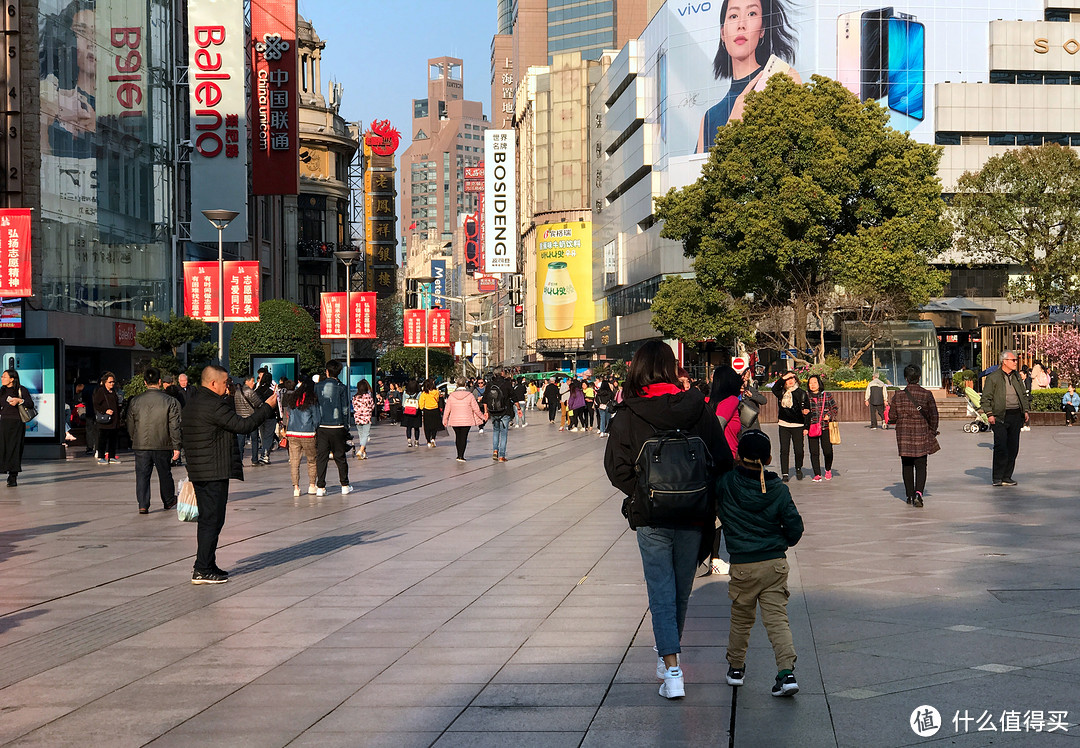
[834, 432]
[187, 509]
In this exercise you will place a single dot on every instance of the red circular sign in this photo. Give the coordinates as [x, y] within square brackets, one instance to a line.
[739, 364]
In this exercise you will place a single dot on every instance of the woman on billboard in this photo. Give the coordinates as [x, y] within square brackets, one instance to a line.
[756, 42]
[12, 428]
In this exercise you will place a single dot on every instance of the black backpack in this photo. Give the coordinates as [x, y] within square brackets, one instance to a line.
[674, 470]
[496, 399]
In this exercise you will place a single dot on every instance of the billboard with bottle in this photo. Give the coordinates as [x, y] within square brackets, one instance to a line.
[700, 60]
[564, 280]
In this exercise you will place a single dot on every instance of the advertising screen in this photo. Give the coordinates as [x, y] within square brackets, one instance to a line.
[701, 60]
[564, 273]
[279, 365]
[38, 363]
[361, 369]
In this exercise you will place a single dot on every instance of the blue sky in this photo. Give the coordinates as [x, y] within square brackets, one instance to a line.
[379, 50]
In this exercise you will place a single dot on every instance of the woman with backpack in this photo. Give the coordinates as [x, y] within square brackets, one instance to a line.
[300, 429]
[669, 544]
[410, 412]
[575, 404]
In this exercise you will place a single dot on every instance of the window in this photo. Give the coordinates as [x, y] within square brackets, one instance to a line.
[420, 108]
[978, 280]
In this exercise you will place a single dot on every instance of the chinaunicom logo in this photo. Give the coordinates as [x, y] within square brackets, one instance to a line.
[272, 47]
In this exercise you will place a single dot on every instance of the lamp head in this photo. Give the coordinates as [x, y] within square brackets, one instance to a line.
[348, 256]
[220, 218]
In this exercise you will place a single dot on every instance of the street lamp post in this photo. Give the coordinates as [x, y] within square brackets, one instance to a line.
[348, 257]
[425, 280]
[220, 219]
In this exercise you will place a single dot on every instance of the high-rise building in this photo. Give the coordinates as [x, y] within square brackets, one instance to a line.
[447, 136]
[532, 32]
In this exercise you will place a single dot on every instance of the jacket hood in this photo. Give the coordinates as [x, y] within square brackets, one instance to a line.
[665, 412]
[461, 394]
[749, 495]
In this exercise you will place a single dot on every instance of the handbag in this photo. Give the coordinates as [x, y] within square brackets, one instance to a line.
[103, 418]
[27, 412]
[187, 508]
[834, 432]
[815, 428]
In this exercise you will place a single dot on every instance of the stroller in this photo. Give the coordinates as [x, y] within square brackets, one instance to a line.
[980, 422]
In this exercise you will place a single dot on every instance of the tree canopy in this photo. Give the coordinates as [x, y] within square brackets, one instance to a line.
[811, 205]
[410, 361]
[685, 310]
[166, 338]
[1023, 208]
[283, 327]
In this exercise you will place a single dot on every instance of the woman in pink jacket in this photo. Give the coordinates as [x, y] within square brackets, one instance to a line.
[462, 413]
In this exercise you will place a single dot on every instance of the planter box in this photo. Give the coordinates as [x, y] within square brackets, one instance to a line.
[849, 403]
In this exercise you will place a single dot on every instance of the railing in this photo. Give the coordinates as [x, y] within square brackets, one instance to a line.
[316, 249]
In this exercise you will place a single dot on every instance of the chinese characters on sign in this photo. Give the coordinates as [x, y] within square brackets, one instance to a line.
[439, 328]
[274, 158]
[201, 291]
[500, 211]
[360, 318]
[435, 321]
[414, 328]
[15, 245]
[380, 209]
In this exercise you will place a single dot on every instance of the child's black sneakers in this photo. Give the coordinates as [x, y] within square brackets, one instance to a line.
[785, 684]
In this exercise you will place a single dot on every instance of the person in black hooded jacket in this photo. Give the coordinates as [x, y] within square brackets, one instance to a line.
[654, 401]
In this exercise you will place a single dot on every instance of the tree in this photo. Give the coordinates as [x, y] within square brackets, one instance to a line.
[388, 327]
[1061, 347]
[811, 205]
[167, 337]
[683, 309]
[410, 361]
[1023, 208]
[283, 327]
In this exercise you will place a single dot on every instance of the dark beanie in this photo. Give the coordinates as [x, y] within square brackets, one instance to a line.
[754, 446]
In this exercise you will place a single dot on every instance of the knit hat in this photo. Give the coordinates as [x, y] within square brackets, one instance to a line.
[755, 449]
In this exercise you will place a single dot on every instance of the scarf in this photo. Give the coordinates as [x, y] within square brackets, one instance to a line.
[661, 388]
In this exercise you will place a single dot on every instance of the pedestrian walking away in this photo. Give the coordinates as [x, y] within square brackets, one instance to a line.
[245, 402]
[264, 385]
[300, 431]
[363, 408]
[210, 426]
[429, 411]
[655, 402]
[153, 422]
[760, 523]
[823, 411]
[605, 401]
[793, 407]
[462, 413]
[914, 412]
[107, 415]
[875, 398]
[12, 427]
[410, 412]
[497, 407]
[550, 399]
[1006, 405]
[332, 436]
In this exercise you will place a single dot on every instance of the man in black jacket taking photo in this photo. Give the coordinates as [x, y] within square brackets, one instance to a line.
[210, 424]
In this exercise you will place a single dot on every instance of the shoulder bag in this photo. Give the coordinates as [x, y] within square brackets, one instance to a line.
[27, 412]
[815, 428]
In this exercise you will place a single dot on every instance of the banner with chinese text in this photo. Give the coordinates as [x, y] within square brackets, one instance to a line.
[275, 162]
[439, 328]
[414, 328]
[201, 291]
[334, 318]
[15, 244]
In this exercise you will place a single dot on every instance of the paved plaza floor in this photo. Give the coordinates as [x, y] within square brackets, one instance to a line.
[492, 604]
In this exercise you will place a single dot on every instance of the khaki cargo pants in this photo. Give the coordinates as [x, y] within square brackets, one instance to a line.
[761, 583]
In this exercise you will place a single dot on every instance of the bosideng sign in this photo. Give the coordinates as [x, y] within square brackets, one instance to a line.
[500, 210]
[216, 48]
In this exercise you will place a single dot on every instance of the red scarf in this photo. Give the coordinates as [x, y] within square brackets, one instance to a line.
[661, 388]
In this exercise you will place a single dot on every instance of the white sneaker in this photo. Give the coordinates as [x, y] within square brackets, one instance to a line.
[320, 492]
[661, 668]
[346, 490]
[296, 492]
[672, 687]
[312, 489]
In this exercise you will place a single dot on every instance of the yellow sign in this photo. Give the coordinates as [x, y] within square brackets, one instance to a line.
[564, 280]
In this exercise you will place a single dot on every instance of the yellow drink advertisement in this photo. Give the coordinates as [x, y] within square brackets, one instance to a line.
[564, 279]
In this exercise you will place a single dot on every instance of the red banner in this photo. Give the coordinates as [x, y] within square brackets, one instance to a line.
[333, 318]
[201, 291]
[414, 328]
[275, 159]
[439, 328]
[15, 244]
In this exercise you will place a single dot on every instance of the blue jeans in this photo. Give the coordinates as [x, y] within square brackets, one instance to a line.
[365, 433]
[519, 414]
[669, 560]
[499, 426]
[602, 418]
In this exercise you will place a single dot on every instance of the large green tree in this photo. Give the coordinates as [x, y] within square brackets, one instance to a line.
[283, 327]
[1023, 208]
[168, 339]
[410, 361]
[810, 206]
[685, 310]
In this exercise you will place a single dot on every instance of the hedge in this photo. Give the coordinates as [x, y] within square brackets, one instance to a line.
[1047, 400]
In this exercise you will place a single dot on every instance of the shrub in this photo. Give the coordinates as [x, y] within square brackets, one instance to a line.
[844, 374]
[1047, 401]
[822, 370]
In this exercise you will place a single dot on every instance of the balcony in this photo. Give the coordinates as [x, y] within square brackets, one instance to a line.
[311, 249]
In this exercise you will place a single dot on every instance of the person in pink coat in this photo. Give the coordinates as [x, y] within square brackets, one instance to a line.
[462, 413]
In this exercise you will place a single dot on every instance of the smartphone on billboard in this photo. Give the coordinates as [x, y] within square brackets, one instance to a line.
[874, 53]
[773, 66]
[907, 66]
[29, 368]
[849, 51]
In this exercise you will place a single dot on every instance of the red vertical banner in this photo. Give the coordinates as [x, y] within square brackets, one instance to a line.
[275, 159]
[201, 290]
[362, 308]
[439, 328]
[242, 291]
[15, 244]
[414, 328]
[332, 315]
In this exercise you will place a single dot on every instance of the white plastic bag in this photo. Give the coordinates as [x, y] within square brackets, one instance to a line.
[187, 509]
